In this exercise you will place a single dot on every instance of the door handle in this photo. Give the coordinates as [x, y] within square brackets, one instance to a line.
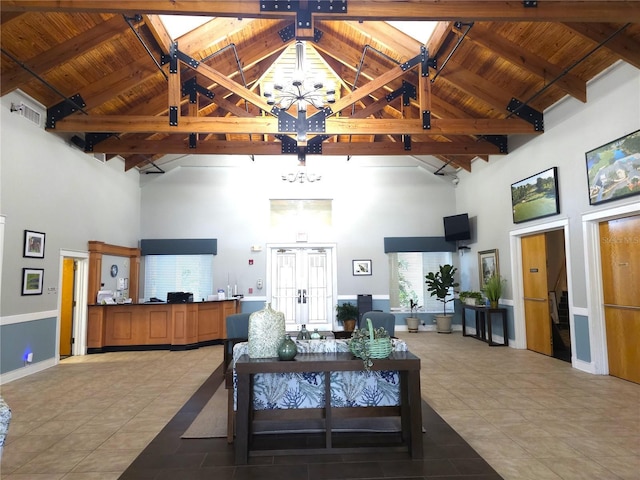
[299, 296]
[304, 296]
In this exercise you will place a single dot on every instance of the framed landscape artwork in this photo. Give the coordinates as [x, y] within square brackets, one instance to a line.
[488, 265]
[535, 196]
[613, 170]
[32, 281]
[33, 244]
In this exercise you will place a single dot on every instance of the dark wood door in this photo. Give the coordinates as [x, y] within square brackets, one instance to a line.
[620, 259]
[536, 302]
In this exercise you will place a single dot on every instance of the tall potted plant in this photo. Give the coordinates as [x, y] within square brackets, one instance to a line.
[439, 284]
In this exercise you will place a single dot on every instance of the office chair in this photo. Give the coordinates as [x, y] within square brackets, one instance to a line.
[380, 319]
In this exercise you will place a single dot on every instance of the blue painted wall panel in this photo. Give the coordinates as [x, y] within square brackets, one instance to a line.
[581, 336]
[18, 339]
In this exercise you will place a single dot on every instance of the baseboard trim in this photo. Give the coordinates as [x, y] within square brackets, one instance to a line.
[26, 371]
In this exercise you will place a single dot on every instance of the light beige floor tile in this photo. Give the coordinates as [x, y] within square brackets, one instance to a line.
[53, 462]
[92, 476]
[34, 476]
[127, 441]
[579, 469]
[627, 468]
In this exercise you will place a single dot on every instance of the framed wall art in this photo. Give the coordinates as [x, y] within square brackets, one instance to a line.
[32, 279]
[33, 244]
[362, 267]
[488, 265]
[613, 169]
[535, 196]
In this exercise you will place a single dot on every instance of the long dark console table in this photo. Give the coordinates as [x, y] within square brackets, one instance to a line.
[407, 364]
[483, 324]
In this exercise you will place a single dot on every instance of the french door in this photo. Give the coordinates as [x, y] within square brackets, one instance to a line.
[302, 285]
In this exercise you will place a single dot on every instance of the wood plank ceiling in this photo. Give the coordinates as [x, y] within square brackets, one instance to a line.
[112, 77]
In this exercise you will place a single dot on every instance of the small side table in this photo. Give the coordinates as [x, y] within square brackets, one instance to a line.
[483, 324]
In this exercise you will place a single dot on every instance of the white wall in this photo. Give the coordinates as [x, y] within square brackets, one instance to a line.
[228, 199]
[571, 129]
[51, 187]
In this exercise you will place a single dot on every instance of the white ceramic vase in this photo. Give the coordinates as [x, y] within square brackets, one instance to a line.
[266, 331]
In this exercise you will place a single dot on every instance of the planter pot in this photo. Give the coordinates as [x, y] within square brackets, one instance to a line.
[349, 325]
[493, 303]
[412, 324]
[470, 301]
[443, 323]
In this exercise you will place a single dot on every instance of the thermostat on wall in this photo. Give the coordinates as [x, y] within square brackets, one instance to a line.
[256, 248]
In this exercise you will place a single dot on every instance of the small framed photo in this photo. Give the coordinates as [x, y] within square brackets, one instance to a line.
[33, 244]
[362, 267]
[32, 280]
[488, 265]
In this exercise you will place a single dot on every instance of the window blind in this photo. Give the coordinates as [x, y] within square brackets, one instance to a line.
[178, 273]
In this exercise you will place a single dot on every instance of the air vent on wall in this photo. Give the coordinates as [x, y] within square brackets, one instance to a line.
[27, 112]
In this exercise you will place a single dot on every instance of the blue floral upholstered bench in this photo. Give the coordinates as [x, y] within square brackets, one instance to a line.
[294, 391]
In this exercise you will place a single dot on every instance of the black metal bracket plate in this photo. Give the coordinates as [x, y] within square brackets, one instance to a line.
[530, 3]
[64, 109]
[427, 61]
[499, 141]
[192, 140]
[92, 139]
[314, 145]
[191, 88]
[286, 122]
[317, 122]
[173, 115]
[426, 120]
[407, 91]
[289, 145]
[525, 112]
[406, 139]
[411, 62]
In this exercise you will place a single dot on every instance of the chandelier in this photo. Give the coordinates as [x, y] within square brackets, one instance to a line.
[301, 175]
[299, 89]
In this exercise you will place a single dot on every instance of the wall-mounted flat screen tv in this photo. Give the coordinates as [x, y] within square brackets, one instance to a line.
[456, 227]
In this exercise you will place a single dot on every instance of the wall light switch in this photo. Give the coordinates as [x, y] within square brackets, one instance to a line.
[29, 357]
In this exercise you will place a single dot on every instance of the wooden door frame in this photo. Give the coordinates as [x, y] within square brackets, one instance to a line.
[593, 273]
[80, 288]
[515, 236]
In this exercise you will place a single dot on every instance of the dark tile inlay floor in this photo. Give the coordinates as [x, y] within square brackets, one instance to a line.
[168, 457]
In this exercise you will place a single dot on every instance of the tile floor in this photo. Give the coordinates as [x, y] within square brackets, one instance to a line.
[527, 415]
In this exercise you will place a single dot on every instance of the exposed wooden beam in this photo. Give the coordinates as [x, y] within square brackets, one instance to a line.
[269, 125]
[449, 10]
[63, 52]
[181, 146]
[528, 61]
[623, 46]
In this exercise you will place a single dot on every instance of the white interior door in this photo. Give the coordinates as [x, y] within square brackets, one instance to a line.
[302, 286]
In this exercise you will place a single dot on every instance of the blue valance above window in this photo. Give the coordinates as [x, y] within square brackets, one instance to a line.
[179, 246]
[418, 244]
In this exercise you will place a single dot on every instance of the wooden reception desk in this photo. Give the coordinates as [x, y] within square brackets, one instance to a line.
[142, 326]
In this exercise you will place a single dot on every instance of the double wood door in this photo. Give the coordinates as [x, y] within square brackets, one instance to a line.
[620, 261]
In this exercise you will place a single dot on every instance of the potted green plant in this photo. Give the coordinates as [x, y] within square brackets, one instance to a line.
[347, 314]
[412, 320]
[471, 297]
[493, 289]
[439, 284]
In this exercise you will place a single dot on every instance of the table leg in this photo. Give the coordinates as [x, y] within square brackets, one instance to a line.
[415, 411]
[242, 419]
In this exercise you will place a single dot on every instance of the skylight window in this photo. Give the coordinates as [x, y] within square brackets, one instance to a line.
[178, 25]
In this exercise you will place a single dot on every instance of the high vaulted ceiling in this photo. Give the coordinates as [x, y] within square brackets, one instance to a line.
[111, 76]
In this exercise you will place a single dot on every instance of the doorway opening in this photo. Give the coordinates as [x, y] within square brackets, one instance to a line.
[71, 330]
[540, 267]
